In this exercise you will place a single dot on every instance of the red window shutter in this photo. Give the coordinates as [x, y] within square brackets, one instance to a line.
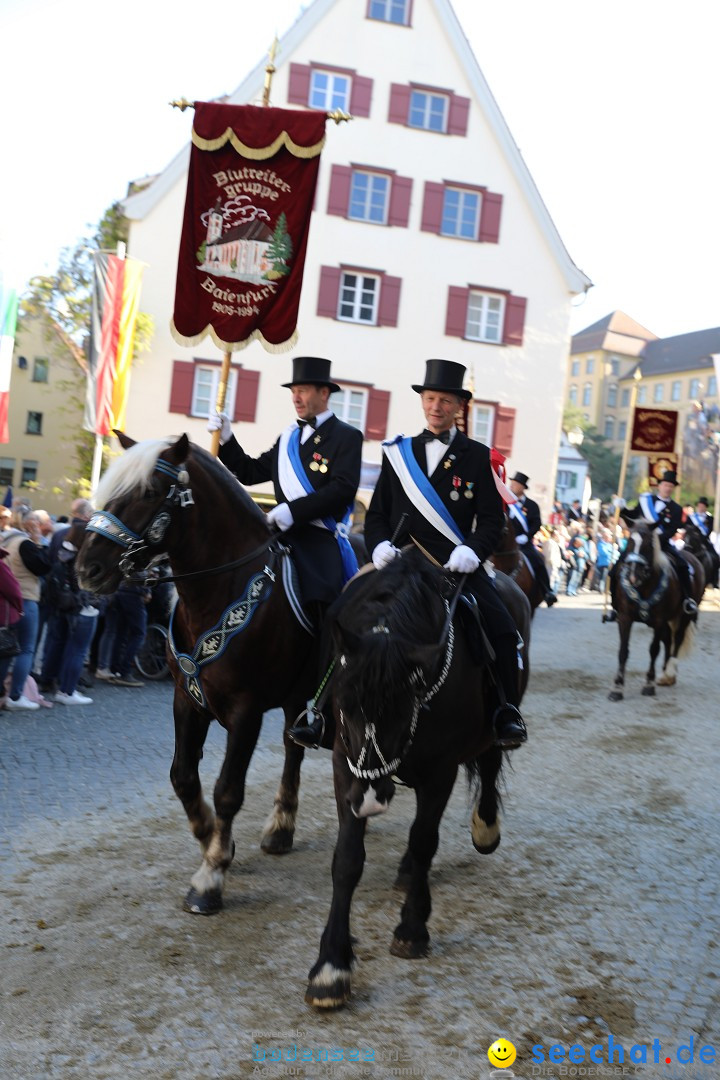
[328, 292]
[490, 217]
[377, 414]
[458, 115]
[432, 207]
[389, 300]
[361, 95]
[514, 320]
[246, 395]
[339, 195]
[399, 104]
[299, 84]
[181, 389]
[400, 192]
[504, 429]
[456, 318]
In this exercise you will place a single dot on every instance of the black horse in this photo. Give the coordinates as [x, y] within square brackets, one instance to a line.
[412, 701]
[236, 647]
[646, 589]
[698, 545]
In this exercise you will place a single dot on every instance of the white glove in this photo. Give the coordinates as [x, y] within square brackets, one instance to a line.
[220, 422]
[383, 554]
[281, 515]
[463, 560]
[522, 538]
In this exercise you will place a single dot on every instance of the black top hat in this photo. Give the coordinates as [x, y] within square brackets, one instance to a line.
[520, 478]
[444, 375]
[704, 499]
[669, 477]
[313, 370]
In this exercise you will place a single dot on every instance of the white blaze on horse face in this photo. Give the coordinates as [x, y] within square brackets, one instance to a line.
[371, 805]
[637, 541]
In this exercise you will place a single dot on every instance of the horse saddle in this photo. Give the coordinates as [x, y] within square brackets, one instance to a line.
[471, 621]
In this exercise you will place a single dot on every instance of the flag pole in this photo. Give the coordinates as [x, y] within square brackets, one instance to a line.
[637, 376]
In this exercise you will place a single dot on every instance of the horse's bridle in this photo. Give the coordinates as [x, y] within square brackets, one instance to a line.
[151, 538]
[420, 700]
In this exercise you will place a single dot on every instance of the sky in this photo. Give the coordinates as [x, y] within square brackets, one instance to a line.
[612, 103]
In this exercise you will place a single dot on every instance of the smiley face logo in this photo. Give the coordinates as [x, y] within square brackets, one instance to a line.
[501, 1054]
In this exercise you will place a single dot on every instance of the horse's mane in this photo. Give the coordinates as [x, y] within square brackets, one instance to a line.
[404, 599]
[660, 560]
[134, 470]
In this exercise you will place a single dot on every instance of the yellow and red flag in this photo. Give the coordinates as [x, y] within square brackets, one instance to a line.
[116, 298]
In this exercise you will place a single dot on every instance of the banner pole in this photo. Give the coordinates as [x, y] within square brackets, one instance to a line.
[621, 482]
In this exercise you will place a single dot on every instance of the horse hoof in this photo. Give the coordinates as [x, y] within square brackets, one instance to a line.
[208, 903]
[487, 849]
[402, 882]
[277, 843]
[615, 695]
[485, 837]
[649, 691]
[409, 950]
[329, 988]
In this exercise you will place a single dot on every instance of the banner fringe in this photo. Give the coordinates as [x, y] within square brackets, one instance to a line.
[234, 346]
[258, 153]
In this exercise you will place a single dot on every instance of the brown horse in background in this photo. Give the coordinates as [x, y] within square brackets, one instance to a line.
[646, 589]
[510, 560]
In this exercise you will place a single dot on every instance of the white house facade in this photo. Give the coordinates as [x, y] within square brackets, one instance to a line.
[428, 239]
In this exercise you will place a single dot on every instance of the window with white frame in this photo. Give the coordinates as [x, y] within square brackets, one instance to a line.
[350, 404]
[676, 390]
[461, 213]
[694, 391]
[427, 110]
[40, 369]
[658, 392]
[612, 395]
[609, 427]
[566, 478]
[712, 386]
[625, 398]
[482, 424]
[369, 197]
[205, 388]
[392, 11]
[329, 90]
[358, 301]
[485, 314]
[587, 394]
[614, 365]
[573, 394]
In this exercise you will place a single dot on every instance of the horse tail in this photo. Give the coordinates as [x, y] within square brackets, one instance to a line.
[687, 642]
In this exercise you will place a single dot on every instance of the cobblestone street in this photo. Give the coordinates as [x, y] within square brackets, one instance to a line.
[596, 919]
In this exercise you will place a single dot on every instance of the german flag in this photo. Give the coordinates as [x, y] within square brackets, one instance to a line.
[116, 298]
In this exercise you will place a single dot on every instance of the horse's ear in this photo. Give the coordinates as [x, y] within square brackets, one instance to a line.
[179, 452]
[125, 441]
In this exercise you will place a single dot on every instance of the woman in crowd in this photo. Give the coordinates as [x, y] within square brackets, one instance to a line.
[29, 561]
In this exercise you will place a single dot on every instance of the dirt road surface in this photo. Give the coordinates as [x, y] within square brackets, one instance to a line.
[594, 923]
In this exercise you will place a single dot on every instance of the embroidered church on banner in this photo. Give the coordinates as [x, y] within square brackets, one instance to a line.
[251, 186]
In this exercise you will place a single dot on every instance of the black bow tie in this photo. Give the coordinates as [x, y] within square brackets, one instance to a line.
[428, 436]
[310, 423]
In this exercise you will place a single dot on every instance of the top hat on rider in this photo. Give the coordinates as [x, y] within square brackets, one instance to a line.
[518, 483]
[438, 490]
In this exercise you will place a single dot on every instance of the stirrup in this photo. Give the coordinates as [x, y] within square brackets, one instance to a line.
[689, 606]
[311, 734]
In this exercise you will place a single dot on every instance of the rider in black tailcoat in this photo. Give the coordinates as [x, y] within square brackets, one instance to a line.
[663, 509]
[703, 521]
[524, 516]
[330, 452]
[460, 474]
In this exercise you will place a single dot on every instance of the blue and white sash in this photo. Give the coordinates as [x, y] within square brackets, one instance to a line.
[700, 523]
[295, 485]
[517, 513]
[647, 505]
[419, 490]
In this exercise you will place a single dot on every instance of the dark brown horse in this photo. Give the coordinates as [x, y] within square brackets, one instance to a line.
[696, 544]
[510, 560]
[236, 647]
[411, 700]
[647, 590]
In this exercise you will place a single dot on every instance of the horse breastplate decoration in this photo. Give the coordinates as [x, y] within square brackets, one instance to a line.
[645, 603]
[212, 644]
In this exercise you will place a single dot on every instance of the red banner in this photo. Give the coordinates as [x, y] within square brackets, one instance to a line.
[658, 464]
[653, 431]
[250, 192]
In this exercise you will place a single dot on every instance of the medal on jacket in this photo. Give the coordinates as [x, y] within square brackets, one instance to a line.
[468, 492]
[455, 494]
[315, 463]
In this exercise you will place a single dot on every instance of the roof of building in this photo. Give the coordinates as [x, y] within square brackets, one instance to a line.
[617, 332]
[684, 352]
